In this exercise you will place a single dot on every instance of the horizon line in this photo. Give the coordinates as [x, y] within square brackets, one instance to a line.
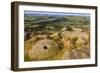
[56, 13]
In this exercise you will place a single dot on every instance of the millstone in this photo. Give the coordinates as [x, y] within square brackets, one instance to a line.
[43, 49]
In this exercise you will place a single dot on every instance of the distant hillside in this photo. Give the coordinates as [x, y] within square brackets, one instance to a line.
[54, 23]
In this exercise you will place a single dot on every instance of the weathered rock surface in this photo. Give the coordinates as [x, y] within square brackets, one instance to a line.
[43, 49]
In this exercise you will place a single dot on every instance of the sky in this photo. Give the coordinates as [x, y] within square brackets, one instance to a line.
[55, 13]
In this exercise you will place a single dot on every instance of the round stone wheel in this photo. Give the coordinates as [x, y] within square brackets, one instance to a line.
[43, 49]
